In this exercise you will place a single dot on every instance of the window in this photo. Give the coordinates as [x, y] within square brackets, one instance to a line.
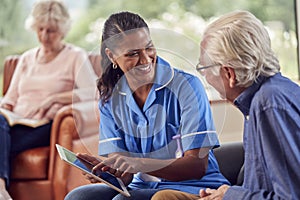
[180, 18]
[176, 27]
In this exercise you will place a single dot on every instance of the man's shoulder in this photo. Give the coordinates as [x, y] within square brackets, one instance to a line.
[279, 84]
[277, 90]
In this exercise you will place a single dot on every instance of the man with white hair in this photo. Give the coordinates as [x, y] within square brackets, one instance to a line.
[237, 60]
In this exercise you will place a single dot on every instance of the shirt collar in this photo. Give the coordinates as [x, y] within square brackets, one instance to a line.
[243, 101]
[163, 76]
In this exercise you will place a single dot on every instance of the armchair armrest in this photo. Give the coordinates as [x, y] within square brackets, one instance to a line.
[74, 121]
[85, 119]
[73, 124]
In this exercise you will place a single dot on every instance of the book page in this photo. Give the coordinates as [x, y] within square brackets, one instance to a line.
[14, 119]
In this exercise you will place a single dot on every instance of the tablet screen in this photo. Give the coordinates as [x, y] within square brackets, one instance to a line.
[112, 181]
[103, 175]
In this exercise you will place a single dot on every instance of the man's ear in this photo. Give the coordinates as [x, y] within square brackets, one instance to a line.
[109, 54]
[230, 75]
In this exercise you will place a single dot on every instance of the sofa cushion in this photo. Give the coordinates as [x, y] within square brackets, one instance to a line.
[230, 157]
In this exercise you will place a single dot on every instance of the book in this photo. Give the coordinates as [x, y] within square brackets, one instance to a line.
[14, 119]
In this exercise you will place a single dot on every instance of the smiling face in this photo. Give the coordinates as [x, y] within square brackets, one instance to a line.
[135, 54]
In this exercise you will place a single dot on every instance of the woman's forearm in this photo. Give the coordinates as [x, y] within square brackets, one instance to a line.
[191, 166]
[182, 169]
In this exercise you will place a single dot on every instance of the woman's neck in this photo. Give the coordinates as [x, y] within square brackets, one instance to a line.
[47, 54]
[140, 95]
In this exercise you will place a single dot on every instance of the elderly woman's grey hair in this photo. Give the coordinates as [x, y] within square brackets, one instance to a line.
[49, 11]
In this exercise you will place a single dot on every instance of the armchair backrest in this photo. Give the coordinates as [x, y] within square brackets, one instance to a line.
[95, 60]
[10, 64]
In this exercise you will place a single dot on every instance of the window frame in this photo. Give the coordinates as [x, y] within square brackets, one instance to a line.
[297, 23]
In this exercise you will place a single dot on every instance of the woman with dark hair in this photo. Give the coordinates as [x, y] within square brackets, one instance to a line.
[115, 25]
[144, 103]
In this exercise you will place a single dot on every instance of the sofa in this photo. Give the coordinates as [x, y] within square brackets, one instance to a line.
[230, 157]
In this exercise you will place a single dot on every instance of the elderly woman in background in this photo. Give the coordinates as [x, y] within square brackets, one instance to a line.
[43, 82]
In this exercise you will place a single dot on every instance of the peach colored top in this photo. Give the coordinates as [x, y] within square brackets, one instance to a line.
[33, 82]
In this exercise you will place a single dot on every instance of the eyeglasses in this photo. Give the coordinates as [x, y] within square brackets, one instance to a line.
[200, 67]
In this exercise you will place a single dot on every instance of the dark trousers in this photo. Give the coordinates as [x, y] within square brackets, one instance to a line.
[18, 138]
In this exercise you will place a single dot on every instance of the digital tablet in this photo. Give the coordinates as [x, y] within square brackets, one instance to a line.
[84, 165]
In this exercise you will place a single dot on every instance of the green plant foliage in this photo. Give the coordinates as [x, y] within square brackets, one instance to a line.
[186, 17]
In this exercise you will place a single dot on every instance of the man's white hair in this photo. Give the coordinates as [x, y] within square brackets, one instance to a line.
[240, 40]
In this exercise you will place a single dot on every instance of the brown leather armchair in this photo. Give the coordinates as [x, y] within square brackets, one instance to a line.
[39, 173]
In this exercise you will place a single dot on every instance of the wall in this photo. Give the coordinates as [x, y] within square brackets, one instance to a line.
[229, 121]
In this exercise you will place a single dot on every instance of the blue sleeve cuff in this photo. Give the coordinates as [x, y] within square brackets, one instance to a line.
[208, 139]
[111, 145]
[235, 192]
